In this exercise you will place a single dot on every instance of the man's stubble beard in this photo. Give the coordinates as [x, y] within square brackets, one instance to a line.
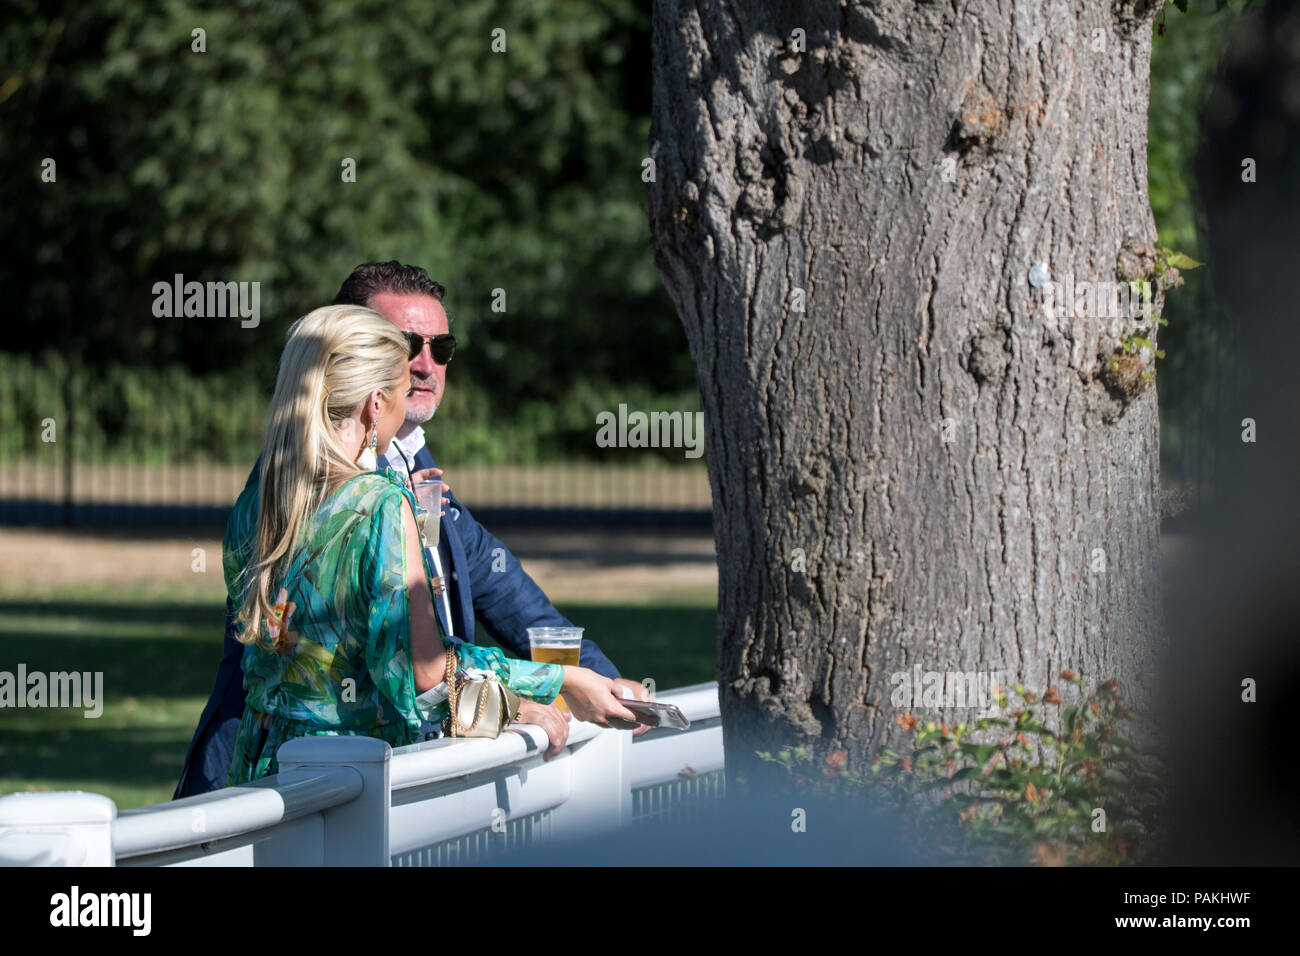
[413, 419]
[418, 419]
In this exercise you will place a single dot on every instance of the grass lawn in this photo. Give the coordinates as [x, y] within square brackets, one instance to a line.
[158, 649]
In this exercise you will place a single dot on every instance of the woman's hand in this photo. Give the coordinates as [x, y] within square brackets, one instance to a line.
[623, 687]
[595, 698]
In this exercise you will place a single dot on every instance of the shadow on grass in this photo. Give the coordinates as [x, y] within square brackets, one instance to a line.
[159, 659]
[148, 610]
[140, 756]
[150, 649]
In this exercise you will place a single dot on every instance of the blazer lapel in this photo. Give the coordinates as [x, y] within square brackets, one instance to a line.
[462, 605]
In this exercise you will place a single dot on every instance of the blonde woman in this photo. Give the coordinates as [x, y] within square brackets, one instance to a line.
[324, 565]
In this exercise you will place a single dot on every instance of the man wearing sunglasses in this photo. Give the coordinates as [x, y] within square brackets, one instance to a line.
[467, 561]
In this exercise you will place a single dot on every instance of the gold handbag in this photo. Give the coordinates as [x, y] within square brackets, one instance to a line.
[476, 708]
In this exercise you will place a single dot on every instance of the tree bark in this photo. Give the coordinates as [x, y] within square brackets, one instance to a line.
[919, 467]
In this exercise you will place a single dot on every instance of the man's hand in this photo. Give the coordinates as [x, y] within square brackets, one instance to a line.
[638, 691]
[428, 474]
[551, 719]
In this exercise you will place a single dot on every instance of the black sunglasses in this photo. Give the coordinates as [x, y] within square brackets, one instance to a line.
[441, 347]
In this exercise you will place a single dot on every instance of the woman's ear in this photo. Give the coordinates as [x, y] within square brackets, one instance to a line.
[372, 408]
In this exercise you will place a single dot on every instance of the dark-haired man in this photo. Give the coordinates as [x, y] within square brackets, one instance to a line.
[479, 578]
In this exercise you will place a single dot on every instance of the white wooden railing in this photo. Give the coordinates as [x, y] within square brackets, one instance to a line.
[354, 801]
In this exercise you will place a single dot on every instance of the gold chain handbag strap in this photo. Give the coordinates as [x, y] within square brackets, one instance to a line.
[453, 693]
[450, 677]
[478, 711]
[454, 727]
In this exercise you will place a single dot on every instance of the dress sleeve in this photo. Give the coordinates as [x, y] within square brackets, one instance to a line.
[389, 647]
[388, 628]
[528, 679]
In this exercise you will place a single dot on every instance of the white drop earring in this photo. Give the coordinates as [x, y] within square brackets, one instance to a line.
[368, 460]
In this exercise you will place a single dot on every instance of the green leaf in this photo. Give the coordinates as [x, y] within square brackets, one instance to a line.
[1181, 260]
[1034, 727]
[980, 753]
[1069, 717]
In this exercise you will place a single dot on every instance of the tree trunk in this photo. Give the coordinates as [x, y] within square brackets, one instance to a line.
[913, 464]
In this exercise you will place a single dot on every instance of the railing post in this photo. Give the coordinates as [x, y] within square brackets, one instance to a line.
[356, 833]
[56, 829]
[600, 797]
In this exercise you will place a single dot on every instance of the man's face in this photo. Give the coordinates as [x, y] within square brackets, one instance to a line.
[424, 316]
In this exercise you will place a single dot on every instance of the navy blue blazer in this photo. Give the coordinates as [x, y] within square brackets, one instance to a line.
[486, 582]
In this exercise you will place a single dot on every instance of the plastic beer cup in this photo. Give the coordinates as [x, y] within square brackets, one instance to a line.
[556, 645]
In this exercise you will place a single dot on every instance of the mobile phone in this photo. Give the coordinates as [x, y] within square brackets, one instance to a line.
[656, 713]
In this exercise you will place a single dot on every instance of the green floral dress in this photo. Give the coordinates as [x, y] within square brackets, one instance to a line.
[341, 662]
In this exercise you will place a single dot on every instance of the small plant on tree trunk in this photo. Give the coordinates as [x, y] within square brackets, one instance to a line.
[1013, 791]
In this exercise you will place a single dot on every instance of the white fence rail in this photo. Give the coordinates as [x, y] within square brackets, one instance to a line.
[341, 801]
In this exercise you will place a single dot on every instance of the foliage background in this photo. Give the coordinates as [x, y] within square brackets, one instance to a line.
[519, 171]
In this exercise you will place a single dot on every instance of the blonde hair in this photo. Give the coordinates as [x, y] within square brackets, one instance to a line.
[334, 358]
